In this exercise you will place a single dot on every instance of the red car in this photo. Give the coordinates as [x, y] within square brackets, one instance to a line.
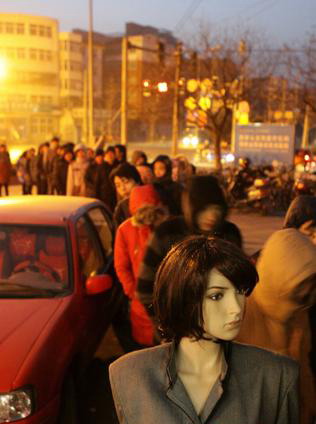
[58, 294]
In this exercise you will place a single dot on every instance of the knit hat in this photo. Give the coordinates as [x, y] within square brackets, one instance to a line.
[141, 196]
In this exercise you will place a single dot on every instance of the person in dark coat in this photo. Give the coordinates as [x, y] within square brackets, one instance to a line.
[98, 182]
[120, 153]
[52, 158]
[169, 190]
[124, 178]
[110, 158]
[5, 169]
[42, 166]
[61, 170]
[204, 212]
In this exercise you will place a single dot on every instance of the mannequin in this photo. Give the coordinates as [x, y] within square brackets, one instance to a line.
[199, 373]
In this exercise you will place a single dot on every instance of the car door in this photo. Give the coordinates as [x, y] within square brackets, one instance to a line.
[95, 310]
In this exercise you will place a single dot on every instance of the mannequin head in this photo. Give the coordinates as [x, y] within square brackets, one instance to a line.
[200, 288]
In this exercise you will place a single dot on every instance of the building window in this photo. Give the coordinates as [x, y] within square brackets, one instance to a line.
[48, 32]
[9, 28]
[33, 29]
[33, 54]
[20, 28]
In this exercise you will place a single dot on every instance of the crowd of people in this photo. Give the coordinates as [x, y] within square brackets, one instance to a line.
[158, 205]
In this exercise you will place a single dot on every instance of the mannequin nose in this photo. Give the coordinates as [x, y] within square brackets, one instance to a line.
[236, 305]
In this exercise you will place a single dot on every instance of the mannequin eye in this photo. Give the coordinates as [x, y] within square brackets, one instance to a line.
[215, 296]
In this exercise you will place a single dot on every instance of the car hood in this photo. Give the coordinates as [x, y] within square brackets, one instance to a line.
[21, 323]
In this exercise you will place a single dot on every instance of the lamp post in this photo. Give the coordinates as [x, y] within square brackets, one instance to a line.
[90, 74]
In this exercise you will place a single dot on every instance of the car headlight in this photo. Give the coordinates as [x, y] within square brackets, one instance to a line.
[15, 405]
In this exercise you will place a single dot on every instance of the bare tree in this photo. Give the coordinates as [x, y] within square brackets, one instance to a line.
[232, 65]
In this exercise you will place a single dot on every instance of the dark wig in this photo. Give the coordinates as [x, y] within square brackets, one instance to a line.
[182, 280]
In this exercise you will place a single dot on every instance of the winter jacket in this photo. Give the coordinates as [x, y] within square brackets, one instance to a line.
[60, 174]
[98, 184]
[129, 248]
[259, 387]
[277, 310]
[5, 168]
[76, 185]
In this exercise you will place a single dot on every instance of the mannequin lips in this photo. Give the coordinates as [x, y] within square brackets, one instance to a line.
[233, 324]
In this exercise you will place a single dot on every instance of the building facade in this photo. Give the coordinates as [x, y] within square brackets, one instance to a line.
[29, 92]
[44, 89]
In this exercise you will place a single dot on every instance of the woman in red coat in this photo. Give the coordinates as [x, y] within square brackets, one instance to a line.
[129, 248]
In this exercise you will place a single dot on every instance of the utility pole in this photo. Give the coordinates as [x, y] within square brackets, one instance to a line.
[90, 61]
[85, 125]
[233, 133]
[306, 127]
[175, 115]
[124, 90]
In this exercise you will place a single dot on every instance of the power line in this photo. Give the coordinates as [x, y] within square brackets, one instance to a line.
[266, 7]
[245, 9]
[187, 14]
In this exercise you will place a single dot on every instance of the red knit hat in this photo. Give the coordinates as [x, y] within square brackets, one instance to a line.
[141, 196]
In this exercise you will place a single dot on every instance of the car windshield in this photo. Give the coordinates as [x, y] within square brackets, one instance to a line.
[33, 261]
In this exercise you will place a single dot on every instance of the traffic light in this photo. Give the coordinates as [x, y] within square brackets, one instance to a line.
[161, 53]
[146, 88]
[162, 87]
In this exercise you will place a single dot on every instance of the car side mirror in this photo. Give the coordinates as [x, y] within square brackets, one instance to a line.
[98, 284]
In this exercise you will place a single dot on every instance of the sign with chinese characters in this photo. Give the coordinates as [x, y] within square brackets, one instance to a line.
[263, 143]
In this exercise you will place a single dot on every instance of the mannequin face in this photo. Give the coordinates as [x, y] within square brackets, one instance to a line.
[209, 217]
[223, 307]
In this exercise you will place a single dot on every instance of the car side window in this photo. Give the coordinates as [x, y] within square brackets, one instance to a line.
[103, 227]
[91, 258]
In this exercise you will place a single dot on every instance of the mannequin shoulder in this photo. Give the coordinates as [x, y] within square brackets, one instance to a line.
[252, 358]
[145, 362]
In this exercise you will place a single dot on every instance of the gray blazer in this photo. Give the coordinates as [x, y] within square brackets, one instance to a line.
[260, 387]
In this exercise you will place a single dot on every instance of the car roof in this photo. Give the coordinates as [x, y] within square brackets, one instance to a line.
[43, 210]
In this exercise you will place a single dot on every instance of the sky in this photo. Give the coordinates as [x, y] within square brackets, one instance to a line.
[283, 21]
